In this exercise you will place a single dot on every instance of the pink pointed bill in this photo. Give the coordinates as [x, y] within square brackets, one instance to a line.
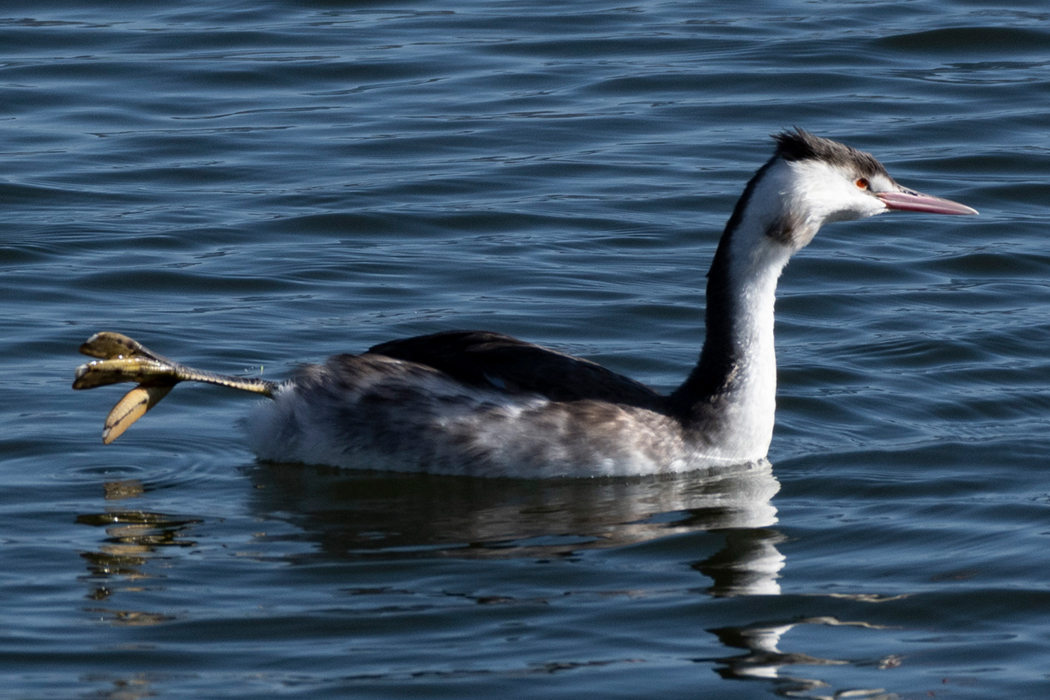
[907, 200]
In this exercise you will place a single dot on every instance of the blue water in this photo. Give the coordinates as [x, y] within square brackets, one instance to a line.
[246, 186]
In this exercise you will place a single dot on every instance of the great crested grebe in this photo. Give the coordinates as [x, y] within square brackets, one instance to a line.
[486, 404]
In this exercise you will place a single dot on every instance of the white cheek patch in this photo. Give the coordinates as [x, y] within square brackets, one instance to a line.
[824, 193]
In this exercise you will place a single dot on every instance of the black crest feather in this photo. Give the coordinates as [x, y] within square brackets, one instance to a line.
[802, 145]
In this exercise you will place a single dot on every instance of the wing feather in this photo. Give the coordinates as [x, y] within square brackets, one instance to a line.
[494, 360]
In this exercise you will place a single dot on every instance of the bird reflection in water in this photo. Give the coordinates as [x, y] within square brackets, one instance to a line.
[374, 513]
[350, 514]
[133, 539]
[727, 518]
[765, 661]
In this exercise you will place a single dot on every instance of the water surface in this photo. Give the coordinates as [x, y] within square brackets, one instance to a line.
[247, 186]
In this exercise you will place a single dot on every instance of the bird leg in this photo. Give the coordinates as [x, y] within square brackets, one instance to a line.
[121, 359]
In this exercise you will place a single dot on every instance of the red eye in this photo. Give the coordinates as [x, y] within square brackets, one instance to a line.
[862, 183]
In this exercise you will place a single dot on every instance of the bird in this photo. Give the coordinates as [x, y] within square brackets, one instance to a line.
[481, 403]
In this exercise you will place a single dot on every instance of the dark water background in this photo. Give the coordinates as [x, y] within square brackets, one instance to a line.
[245, 186]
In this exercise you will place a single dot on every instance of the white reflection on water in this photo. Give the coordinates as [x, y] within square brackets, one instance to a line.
[358, 513]
[380, 515]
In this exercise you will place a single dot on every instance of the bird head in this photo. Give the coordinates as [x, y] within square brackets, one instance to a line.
[817, 181]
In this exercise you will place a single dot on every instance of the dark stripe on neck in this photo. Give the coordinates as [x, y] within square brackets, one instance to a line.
[785, 229]
[720, 356]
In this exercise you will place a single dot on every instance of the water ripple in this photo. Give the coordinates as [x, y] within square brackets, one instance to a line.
[246, 187]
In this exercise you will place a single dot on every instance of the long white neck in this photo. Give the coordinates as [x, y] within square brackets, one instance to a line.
[729, 400]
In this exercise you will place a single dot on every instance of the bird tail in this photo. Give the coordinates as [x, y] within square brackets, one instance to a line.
[121, 359]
